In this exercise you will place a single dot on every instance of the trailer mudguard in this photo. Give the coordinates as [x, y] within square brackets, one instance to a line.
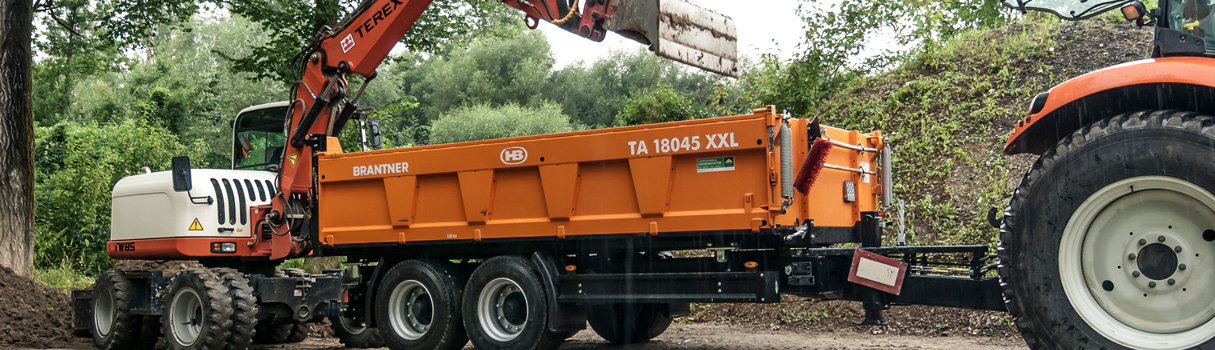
[1181, 83]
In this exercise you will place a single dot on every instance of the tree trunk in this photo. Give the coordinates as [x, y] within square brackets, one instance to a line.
[16, 138]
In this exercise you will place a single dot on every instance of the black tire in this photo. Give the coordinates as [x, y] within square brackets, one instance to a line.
[272, 332]
[354, 333]
[202, 304]
[114, 326]
[523, 301]
[149, 333]
[443, 307]
[1127, 147]
[629, 323]
[299, 332]
[244, 308]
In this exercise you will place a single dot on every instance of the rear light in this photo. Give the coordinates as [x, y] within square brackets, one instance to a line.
[223, 247]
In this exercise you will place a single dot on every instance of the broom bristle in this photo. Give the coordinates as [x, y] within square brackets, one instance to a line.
[815, 161]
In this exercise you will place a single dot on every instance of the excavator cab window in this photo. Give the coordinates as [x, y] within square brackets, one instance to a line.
[258, 138]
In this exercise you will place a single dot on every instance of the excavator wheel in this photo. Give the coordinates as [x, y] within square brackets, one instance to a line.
[1108, 240]
[244, 308]
[197, 311]
[629, 323]
[114, 326]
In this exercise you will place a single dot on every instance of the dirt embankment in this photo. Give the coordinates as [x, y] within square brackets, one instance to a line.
[33, 315]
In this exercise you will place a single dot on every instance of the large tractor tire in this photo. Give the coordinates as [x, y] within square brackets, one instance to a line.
[1107, 242]
[419, 305]
[114, 326]
[197, 311]
[506, 308]
[629, 323]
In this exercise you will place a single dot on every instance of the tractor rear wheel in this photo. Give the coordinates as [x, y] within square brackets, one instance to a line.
[1107, 242]
[629, 323]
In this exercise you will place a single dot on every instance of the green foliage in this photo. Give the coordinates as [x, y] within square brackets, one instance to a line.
[482, 122]
[660, 105]
[76, 165]
[293, 25]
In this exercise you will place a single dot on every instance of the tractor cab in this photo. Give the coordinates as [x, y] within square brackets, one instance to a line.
[1183, 27]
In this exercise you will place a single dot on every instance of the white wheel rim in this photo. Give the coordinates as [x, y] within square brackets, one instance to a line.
[103, 311]
[1106, 286]
[499, 312]
[186, 317]
[405, 302]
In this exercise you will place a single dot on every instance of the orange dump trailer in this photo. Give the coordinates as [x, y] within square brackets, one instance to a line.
[710, 175]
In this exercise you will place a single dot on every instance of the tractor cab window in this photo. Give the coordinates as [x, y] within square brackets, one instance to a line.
[258, 138]
[1193, 17]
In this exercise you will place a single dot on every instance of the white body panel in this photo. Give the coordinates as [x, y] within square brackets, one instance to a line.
[146, 207]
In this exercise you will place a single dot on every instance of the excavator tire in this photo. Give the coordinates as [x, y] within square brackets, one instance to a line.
[1132, 195]
[114, 326]
[628, 323]
[271, 332]
[244, 308]
[197, 311]
[299, 332]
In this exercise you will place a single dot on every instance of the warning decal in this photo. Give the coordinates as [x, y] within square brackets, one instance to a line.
[196, 226]
[291, 158]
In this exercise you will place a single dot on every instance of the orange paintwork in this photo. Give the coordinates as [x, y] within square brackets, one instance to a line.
[585, 183]
[1184, 70]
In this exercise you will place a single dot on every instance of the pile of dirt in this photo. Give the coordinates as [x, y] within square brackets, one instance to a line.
[34, 315]
[169, 267]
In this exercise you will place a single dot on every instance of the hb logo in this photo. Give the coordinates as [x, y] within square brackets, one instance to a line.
[513, 155]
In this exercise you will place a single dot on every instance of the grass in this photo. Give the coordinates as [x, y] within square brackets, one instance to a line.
[62, 278]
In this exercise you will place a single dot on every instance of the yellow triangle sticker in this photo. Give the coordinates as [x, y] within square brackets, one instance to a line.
[291, 158]
[196, 226]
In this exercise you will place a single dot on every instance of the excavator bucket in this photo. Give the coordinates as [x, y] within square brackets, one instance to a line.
[681, 31]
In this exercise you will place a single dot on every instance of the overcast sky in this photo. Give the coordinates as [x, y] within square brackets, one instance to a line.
[764, 26]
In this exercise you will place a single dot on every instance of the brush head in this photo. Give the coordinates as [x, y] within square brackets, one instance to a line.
[815, 161]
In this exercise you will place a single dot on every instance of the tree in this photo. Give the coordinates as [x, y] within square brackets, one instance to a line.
[482, 122]
[16, 138]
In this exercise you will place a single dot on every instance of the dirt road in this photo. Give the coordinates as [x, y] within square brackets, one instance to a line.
[713, 337]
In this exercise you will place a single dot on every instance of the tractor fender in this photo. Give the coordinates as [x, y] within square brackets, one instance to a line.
[1182, 83]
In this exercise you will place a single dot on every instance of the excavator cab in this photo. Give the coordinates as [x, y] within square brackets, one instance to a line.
[258, 137]
[1183, 27]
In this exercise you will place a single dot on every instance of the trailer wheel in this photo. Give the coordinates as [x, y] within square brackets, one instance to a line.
[419, 307]
[197, 311]
[506, 306]
[244, 308]
[1098, 237]
[628, 323]
[114, 326]
[354, 333]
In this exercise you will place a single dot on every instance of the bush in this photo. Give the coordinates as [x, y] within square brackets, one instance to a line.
[76, 166]
[659, 105]
[482, 122]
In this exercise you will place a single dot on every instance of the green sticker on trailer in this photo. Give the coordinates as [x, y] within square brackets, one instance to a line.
[708, 165]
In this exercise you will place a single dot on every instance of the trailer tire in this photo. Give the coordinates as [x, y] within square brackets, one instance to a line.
[628, 323]
[244, 308]
[1100, 193]
[197, 311]
[418, 305]
[354, 333]
[505, 306]
[114, 326]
